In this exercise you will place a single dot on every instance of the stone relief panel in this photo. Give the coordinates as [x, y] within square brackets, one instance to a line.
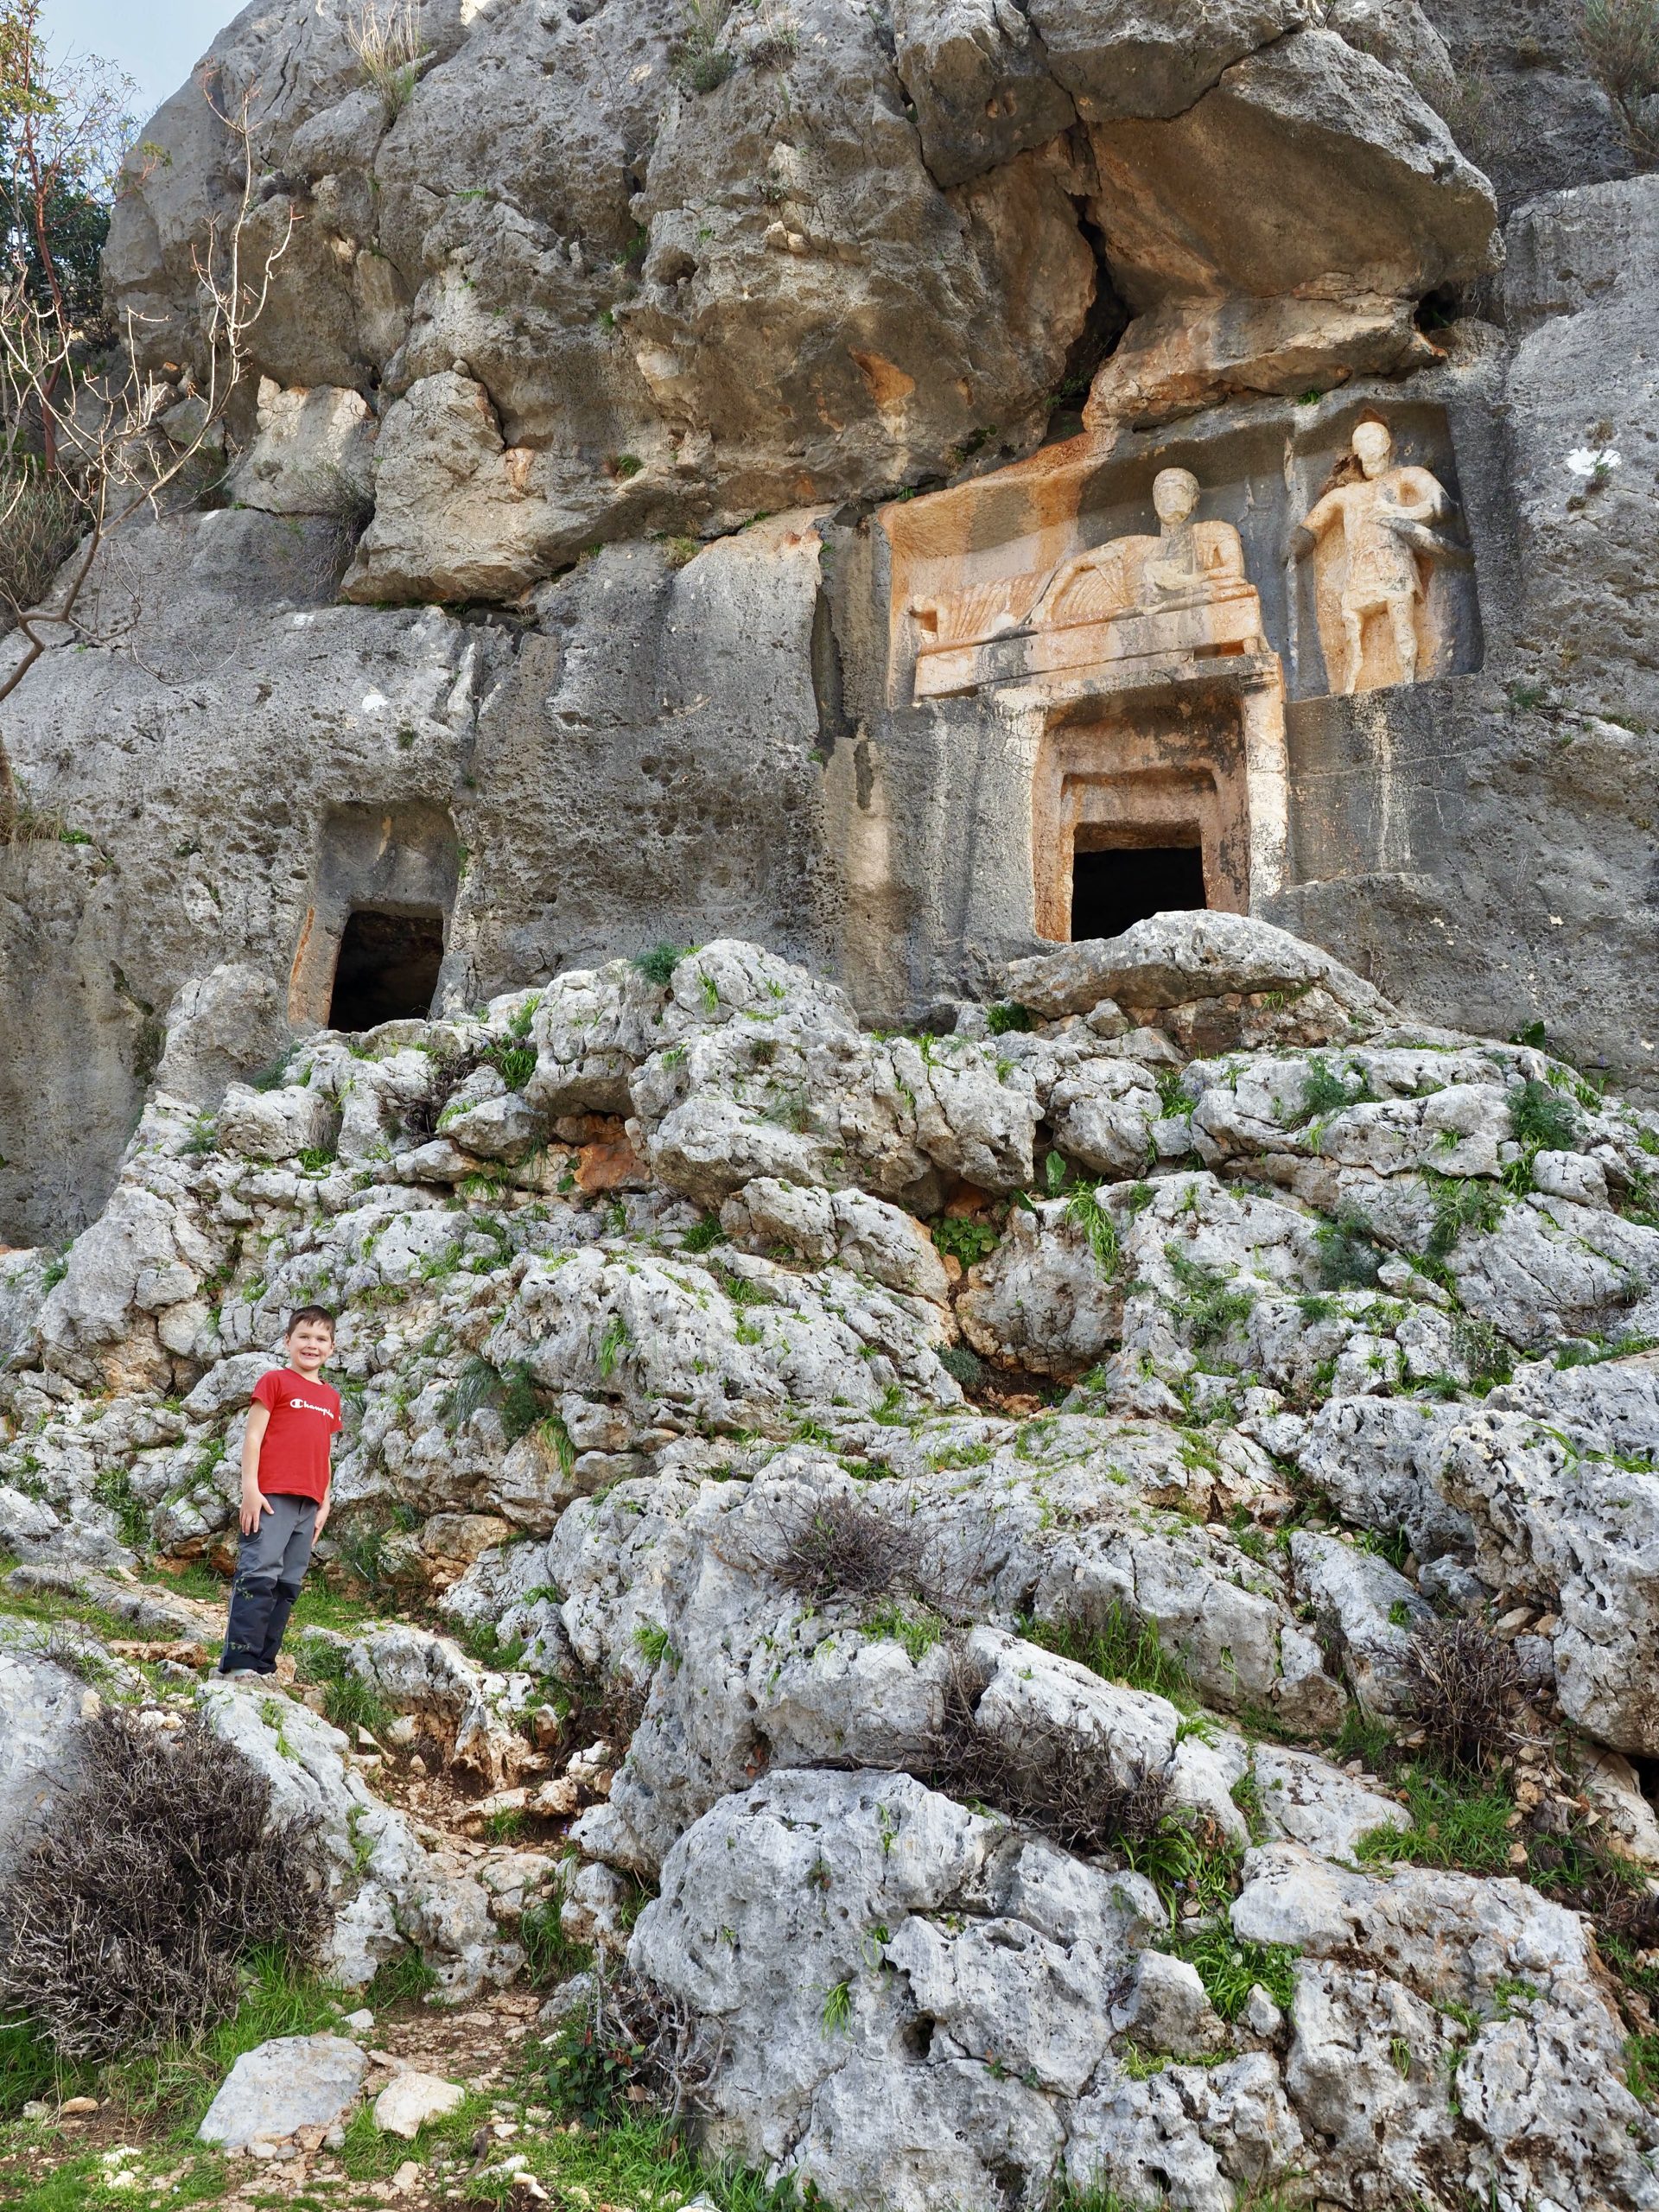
[1337, 543]
[1131, 608]
[1384, 570]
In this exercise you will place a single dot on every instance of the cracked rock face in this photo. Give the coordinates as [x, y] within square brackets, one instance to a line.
[911, 1445]
[616, 272]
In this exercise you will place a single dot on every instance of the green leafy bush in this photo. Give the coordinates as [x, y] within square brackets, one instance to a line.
[967, 1237]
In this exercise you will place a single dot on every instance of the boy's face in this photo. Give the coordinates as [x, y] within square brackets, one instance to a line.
[310, 1344]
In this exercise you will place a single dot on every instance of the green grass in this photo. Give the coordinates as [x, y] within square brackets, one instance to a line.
[1084, 1210]
[1642, 2068]
[641, 2162]
[658, 965]
[1119, 1649]
[1541, 1119]
[77, 2183]
[1229, 1968]
[918, 1631]
[653, 1643]
[172, 2088]
[369, 2156]
[551, 1956]
[349, 1701]
[403, 1978]
[1455, 1823]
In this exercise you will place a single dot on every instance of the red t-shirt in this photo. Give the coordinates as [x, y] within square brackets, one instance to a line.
[294, 1457]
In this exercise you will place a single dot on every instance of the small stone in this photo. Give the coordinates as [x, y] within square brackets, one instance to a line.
[36, 2109]
[408, 2177]
[360, 2021]
[405, 2105]
[71, 2106]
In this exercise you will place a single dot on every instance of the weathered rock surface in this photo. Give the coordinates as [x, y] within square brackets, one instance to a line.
[292, 2082]
[735, 1479]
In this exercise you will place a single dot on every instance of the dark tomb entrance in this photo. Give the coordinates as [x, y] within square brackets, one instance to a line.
[387, 970]
[1115, 886]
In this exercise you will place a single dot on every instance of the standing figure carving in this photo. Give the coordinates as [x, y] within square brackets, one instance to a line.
[1372, 540]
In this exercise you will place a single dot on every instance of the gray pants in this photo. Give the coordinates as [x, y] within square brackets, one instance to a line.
[270, 1566]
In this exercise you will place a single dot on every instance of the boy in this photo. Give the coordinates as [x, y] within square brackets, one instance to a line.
[291, 1426]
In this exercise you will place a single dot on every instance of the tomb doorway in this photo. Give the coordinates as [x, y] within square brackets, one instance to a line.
[387, 969]
[1142, 805]
[373, 944]
[1114, 885]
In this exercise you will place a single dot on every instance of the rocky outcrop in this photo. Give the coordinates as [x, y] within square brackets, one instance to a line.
[705, 303]
[984, 1755]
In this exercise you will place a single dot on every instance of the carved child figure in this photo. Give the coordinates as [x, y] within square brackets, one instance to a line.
[1384, 522]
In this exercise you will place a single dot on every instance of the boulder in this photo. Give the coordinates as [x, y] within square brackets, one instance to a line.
[291, 2082]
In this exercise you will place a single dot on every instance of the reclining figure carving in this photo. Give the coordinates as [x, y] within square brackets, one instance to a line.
[1181, 595]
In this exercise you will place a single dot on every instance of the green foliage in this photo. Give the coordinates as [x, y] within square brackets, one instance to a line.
[1456, 1821]
[965, 1237]
[611, 1345]
[1007, 1016]
[477, 1384]
[658, 965]
[514, 1062]
[1229, 1968]
[550, 1957]
[963, 1366]
[652, 1641]
[403, 1978]
[1461, 1203]
[916, 1628]
[1324, 1091]
[113, 1488]
[1209, 1307]
[512, 1390]
[317, 1160]
[704, 1236]
[1084, 1211]
[1349, 1254]
[1541, 1119]
[1119, 1649]
[838, 2008]
[1642, 2068]
[1482, 1352]
[349, 1699]
[178, 2082]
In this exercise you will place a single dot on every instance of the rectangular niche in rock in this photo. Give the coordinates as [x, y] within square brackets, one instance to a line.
[1155, 799]
[1115, 886]
[375, 935]
[387, 970]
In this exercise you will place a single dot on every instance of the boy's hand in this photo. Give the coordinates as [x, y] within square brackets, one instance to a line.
[322, 1518]
[254, 1508]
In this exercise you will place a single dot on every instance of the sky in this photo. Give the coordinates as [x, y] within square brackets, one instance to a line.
[157, 42]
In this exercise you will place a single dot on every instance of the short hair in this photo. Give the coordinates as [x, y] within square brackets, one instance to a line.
[307, 1314]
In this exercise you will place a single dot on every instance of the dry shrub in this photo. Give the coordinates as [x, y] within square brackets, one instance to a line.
[631, 2042]
[1463, 1681]
[125, 1923]
[386, 40]
[1621, 45]
[838, 1547]
[40, 524]
[1055, 1778]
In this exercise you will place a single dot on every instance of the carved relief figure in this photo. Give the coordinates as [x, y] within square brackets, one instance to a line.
[1180, 595]
[1371, 540]
[1185, 564]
